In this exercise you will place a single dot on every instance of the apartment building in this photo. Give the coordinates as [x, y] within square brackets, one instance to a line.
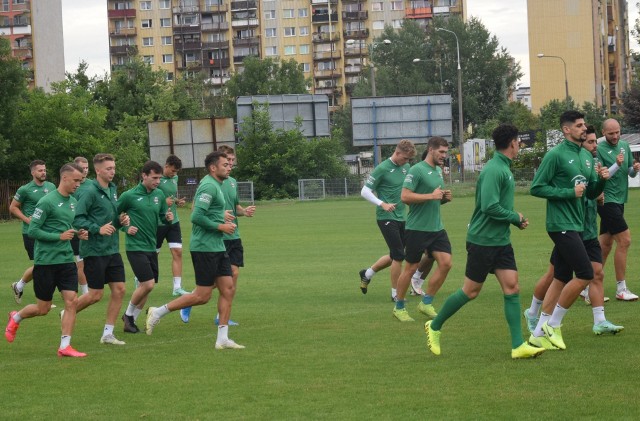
[34, 29]
[331, 39]
[579, 48]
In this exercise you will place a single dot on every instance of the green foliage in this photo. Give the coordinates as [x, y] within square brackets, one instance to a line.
[514, 113]
[630, 107]
[275, 159]
[13, 88]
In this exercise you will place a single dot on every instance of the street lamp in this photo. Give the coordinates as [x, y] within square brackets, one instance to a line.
[460, 119]
[372, 68]
[566, 81]
[417, 60]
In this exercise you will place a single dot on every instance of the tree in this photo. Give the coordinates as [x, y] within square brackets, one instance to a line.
[630, 107]
[514, 113]
[13, 88]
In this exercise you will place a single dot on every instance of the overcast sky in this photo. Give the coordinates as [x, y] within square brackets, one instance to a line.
[86, 37]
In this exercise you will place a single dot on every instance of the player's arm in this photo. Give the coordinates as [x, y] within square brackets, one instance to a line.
[201, 203]
[248, 211]
[83, 212]
[166, 216]
[541, 184]
[35, 227]
[490, 200]
[410, 197]
[597, 179]
[16, 210]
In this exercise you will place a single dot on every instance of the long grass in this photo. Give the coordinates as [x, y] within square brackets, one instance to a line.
[316, 347]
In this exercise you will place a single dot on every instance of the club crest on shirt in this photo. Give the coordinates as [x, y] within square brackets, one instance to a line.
[587, 163]
[155, 200]
[404, 171]
[37, 214]
[205, 198]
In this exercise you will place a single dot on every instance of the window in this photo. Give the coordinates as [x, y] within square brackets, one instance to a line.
[306, 68]
[304, 30]
[271, 51]
[166, 4]
[378, 24]
[145, 5]
[303, 13]
[169, 76]
[270, 32]
[165, 22]
[289, 50]
[270, 14]
[147, 23]
[147, 41]
[304, 49]
[189, 20]
[188, 57]
[397, 23]
[287, 13]
[167, 41]
[147, 59]
[167, 58]
[397, 5]
[377, 6]
[290, 31]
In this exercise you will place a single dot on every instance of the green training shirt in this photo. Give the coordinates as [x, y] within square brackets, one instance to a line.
[208, 213]
[146, 211]
[28, 195]
[617, 188]
[424, 179]
[590, 220]
[230, 192]
[97, 206]
[386, 181]
[169, 186]
[53, 215]
[493, 212]
[562, 168]
[80, 190]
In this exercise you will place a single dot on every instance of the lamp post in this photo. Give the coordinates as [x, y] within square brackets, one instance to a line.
[566, 81]
[460, 118]
[417, 60]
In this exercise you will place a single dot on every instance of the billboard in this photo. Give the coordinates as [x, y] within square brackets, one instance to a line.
[387, 120]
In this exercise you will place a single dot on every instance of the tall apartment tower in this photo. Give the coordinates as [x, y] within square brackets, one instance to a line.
[34, 29]
[587, 39]
[331, 39]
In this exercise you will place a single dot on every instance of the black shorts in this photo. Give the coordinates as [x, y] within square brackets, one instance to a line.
[393, 233]
[570, 257]
[593, 251]
[101, 270]
[208, 266]
[483, 260]
[235, 252]
[46, 278]
[612, 218]
[171, 233]
[144, 265]
[29, 245]
[419, 242]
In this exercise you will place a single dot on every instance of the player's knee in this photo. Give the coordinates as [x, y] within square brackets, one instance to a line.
[95, 295]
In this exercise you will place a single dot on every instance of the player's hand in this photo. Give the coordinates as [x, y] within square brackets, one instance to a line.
[124, 219]
[227, 227]
[437, 194]
[83, 234]
[169, 200]
[388, 207]
[249, 211]
[28, 220]
[447, 196]
[604, 173]
[68, 234]
[636, 166]
[107, 229]
[600, 199]
[620, 159]
[228, 216]
[132, 230]
[524, 222]
[168, 216]
[181, 201]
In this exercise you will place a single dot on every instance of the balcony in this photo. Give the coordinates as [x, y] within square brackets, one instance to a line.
[327, 74]
[129, 50]
[195, 64]
[186, 9]
[215, 45]
[352, 69]
[217, 63]
[215, 26]
[181, 45]
[19, 7]
[123, 13]
[320, 37]
[356, 52]
[186, 29]
[215, 8]
[327, 90]
[324, 17]
[441, 10]
[353, 1]
[246, 42]
[321, 55]
[21, 20]
[362, 15]
[244, 5]
[218, 80]
[419, 13]
[123, 32]
[244, 22]
[356, 33]
[324, 1]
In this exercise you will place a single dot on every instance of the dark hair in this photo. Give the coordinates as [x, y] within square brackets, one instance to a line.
[213, 158]
[81, 159]
[35, 163]
[101, 157]
[70, 167]
[570, 117]
[591, 129]
[150, 166]
[227, 149]
[174, 161]
[436, 142]
[503, 135]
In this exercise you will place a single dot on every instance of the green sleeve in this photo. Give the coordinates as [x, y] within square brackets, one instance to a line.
[123, 204]
[82, 216]
[540, 186]
[490, 200]
[37, 221]
[201, 203]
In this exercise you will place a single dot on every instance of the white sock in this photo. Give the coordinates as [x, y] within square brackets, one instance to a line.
[369, 273]
[65, 341]
[621, 286]
[84, 288]
[223, 334]
[557, 316]
[162, 311]
[17, 318]
[394, 292]
[543, 318]
[535, 307]
[108, 330]
[217, 316]
[20, 285]
[417, 275]
[136, 312]
[130, 309]
[598, 315]
[177, 282]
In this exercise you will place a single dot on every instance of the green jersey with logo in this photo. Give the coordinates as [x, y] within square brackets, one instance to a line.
[590, 220]
[53, 215]
[208, 212]
[28, 195]
[617, 188]
[169, 186]
[146, 211]
[493, 212]
[230, 192]
[424, 179]
[386, 180]
[97, 206]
